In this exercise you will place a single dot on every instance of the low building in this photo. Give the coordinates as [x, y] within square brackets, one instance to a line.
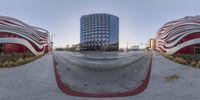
[180, 36]
[75, 47]
[135, 48]
[67, 47]
[152, 43]
[19, 37]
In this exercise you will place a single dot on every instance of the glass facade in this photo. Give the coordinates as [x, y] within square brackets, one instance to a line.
[99, 32]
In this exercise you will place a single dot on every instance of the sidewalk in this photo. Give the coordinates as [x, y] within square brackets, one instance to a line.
[184, 88]
[36, 81]
[32, 81]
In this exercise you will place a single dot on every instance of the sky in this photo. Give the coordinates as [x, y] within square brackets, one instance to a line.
[139, 19]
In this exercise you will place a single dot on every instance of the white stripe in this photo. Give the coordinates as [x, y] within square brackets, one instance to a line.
[13, 32]
[22, 42]
[180, 46]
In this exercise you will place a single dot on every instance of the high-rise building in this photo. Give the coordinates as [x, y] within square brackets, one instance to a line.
[99, 32]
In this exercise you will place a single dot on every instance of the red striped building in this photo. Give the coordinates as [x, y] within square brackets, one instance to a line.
[180, 36]
[18, 37]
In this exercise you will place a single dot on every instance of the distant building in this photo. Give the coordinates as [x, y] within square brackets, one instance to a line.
[180, 36]
[19, 37]
[67, 47]
[99, 32]
[75, 47]
[135, 47]
[152, 43]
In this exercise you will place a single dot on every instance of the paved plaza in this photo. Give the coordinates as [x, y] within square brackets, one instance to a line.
[36, 81]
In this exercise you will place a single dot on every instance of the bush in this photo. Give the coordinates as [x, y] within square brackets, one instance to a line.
[193, 63]
[20, 61]
[8, 57]
[11, 63]
[16, 56]
[16, 60]
[1, 59]
[27, 55]
[29, 59]
[197, 64]
[5, 64]
[180, 60]
[186, 59]
[170, 57]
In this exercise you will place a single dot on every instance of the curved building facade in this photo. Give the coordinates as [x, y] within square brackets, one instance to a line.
[180, 36]
[99, 32]
[18, 37]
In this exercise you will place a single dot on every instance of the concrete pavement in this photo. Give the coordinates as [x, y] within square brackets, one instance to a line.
[36, 81]
[101, 60]
[103, 81]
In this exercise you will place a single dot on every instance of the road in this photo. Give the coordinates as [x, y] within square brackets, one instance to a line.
[98, 73]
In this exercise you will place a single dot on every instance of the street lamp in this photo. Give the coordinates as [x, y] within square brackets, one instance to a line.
[51, 41]
[127, 46]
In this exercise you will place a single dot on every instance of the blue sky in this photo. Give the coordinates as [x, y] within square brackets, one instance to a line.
[139, 19]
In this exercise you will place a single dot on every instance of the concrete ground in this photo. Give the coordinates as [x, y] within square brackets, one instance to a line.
[118, 79]
[36, 81]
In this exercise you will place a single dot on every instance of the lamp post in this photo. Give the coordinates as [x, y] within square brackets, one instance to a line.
[51, 41]
[127, 46]
[103, 47]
